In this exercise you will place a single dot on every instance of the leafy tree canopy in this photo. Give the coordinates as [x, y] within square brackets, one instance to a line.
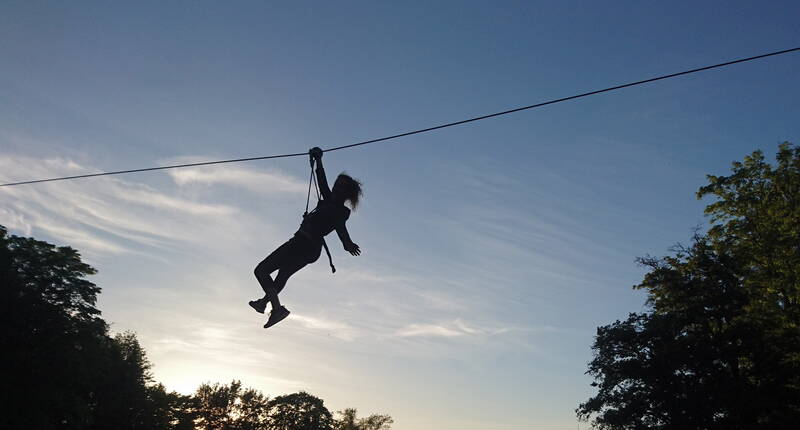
[63, 370]
[230, 407]
[350, 421]
[719, 346]
[299, 411]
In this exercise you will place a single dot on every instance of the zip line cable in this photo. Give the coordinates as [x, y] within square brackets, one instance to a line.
[423, 130]
[563, 99]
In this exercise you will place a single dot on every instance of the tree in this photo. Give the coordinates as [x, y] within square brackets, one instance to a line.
[52, 337]
[169, 410]
[719, 346]
[349, 421]
[299, 411]
[251, 410]
[121, 394]
[61, 369]
[757, 213]
[229, 407]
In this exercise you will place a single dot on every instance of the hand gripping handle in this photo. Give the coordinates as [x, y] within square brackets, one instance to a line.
[314, 154]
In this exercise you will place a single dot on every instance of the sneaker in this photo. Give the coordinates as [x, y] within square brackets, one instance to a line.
[276, 316]
[259, 305]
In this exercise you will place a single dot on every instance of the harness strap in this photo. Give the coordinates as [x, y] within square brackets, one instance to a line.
[313, 180]
[308, 195]
[316, 186]
[330, 260]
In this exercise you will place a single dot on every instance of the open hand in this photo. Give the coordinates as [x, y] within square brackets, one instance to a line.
[353, 249]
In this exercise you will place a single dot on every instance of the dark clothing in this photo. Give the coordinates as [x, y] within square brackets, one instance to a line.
[327, 216]
[290, 257]
[322, 180]
[306, 245]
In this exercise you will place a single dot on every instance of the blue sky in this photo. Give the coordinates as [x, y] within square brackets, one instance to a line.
[492, 251]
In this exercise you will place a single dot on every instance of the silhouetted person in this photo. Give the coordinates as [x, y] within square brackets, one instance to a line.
[306, 245]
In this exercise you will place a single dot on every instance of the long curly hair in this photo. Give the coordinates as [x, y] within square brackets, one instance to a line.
[349, 188]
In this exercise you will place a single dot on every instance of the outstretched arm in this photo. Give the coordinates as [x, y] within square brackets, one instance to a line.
[344, 236]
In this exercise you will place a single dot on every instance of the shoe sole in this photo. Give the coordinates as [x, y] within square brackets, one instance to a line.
[268, 325]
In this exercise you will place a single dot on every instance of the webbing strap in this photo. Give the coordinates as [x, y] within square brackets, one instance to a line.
[313, 179]
[316, 185]
[330, 260]
[308, 195]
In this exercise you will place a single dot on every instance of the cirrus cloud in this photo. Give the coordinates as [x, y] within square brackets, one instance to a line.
[262, 181]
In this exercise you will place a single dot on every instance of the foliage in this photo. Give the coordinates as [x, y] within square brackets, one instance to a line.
[63, 370]
[757, 213]
[719, 346]
[349, 421]
[299, 411]
[53, 340]
[229, 407]
[169, 410]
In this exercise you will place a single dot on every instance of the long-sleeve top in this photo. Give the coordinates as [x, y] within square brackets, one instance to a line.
[327, 216]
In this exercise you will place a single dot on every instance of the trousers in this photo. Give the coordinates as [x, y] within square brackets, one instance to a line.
[290, 257]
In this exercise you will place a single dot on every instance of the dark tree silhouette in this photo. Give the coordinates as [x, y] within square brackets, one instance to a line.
[299, 411]
[230, 407]
[719, 346]
[62, 370]
[53, 339]
[350, 421]
[60, 367]
[169, 410]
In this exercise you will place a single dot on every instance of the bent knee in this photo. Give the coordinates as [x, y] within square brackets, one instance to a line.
[260, 271]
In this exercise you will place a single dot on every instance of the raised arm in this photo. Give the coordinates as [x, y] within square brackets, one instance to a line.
[322, 180]
[324, 189]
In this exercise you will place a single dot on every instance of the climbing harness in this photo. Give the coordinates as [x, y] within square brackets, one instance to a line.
[313, 180]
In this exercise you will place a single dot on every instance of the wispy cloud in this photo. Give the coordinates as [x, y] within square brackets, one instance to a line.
[160, 201]
[364, 275]
[263, 181]
[16, 221]
[100, 215]
[440, 301]
[337, 329]
[197, 325]
[455, 328]
[485, 333]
